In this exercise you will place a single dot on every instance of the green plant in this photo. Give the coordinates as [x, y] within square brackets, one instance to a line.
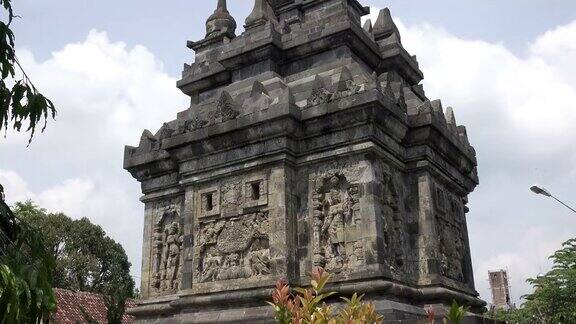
[456, 313]
[19, 98]
[553, 299]
[26, 271]
[308, 305]
[86, 258]
[115, 300]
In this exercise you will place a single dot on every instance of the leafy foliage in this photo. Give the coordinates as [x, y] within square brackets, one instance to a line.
[456, 313]
[554, 296]
[26, 270]
[86, 259]
[20, 101]
[308, 306]
[115, 300]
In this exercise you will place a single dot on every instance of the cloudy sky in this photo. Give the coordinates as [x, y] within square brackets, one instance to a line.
[507, 67]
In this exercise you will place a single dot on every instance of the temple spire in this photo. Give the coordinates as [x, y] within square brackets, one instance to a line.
[385, 26]
[222, 5]
[221, 22]
[260, 15]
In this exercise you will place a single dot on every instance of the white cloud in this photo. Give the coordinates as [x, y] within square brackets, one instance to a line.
[557, 48]
[520, 113]
[15, 187]
[106, 94]
[69, 197]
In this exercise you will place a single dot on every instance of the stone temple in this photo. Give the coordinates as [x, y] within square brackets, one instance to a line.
[309, 141]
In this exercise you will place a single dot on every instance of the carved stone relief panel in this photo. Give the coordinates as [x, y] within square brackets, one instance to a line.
[440, 199]
[232, 241]
[233, 248]
[452, 251]
[166, 248]
[324, 89]
[452, 254]
[336, 240]
[396, 218]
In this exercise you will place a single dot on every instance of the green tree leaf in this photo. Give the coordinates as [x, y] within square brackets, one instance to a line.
[23, 102]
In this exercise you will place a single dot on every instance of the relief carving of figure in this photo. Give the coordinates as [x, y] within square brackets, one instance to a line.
[391, 198]
[337, 211]
[173, 257]
[211, 268]
[332, 218]
[167, 242]
[260, 262]
[232, 268]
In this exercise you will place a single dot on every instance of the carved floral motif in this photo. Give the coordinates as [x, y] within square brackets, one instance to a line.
[225, 109]
[319, 96]
[344, 87]
[347, 88]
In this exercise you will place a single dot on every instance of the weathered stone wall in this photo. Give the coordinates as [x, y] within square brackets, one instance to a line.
[309, 141]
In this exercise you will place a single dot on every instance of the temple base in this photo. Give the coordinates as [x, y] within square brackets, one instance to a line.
[191, 309]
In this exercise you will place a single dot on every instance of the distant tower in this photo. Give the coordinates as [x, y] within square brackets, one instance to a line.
[500, 289]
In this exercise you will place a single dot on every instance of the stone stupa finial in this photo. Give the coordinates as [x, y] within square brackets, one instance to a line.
[221, 22]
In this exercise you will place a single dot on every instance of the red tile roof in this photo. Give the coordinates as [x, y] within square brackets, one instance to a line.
[70, 304]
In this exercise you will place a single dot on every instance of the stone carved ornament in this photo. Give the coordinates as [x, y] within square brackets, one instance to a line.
[395, 218]
[334, 204]
[225, 109]
[452, 248]
[395, 236]
[167, 252]
[344, 87]
[234, 248]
